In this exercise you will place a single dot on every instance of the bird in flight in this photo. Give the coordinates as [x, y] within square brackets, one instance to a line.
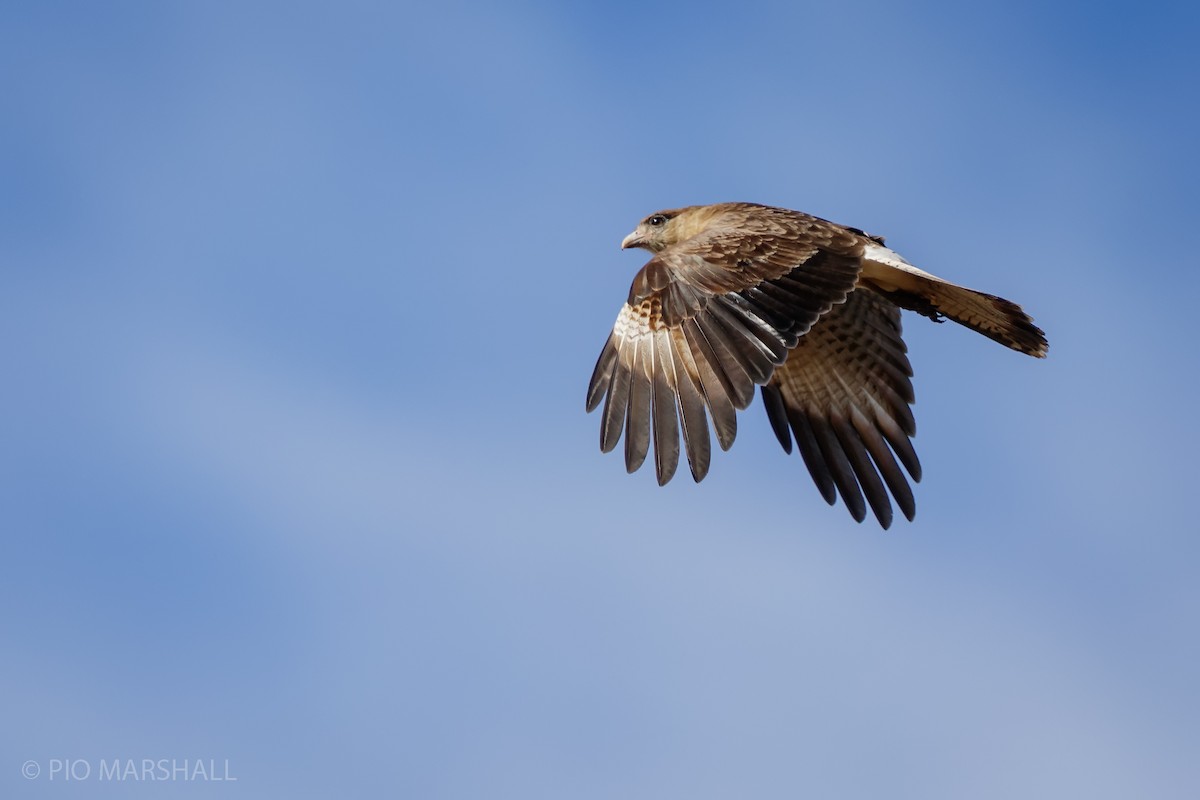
[739, 294]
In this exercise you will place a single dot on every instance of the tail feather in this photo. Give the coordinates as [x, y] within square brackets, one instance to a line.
[908, 287]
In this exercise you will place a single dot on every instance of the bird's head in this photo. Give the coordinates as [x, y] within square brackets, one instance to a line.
[660, 230]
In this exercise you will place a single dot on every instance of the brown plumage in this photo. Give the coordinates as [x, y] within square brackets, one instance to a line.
[738, 295]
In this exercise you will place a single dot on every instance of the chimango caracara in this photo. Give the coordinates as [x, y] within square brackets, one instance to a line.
[738, 294]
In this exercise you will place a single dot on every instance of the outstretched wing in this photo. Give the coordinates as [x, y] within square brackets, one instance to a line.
[844, 394]
[705, 321]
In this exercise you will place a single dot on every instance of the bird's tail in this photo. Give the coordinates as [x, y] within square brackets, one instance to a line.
[916, 290]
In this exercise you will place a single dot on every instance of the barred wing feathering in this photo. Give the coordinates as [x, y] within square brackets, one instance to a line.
[738, 295]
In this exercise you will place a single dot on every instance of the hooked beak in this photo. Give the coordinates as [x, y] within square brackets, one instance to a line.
[632, 240]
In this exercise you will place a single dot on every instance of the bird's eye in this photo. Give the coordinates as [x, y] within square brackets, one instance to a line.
[656, 220]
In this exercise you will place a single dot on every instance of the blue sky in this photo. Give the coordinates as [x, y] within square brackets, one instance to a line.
[299, 304]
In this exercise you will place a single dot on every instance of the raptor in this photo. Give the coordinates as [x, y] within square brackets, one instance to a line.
[739, 294]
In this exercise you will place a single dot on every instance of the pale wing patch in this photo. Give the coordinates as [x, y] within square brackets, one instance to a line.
[660, 381]
[651, 388]
[707, 320]
[731, 290]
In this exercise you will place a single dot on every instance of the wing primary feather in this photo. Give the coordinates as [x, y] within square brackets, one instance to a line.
[756, 357]
[885, 462]
[898, 439]
[602, 374]
[616, 401]
[810, 451]
[737, 381]
[666, 424]
[864, 470]
[637, 420]
[693, 420]
[904, 415]
[777, 413]
[714, 388]
[766, 334]
[839, 468]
